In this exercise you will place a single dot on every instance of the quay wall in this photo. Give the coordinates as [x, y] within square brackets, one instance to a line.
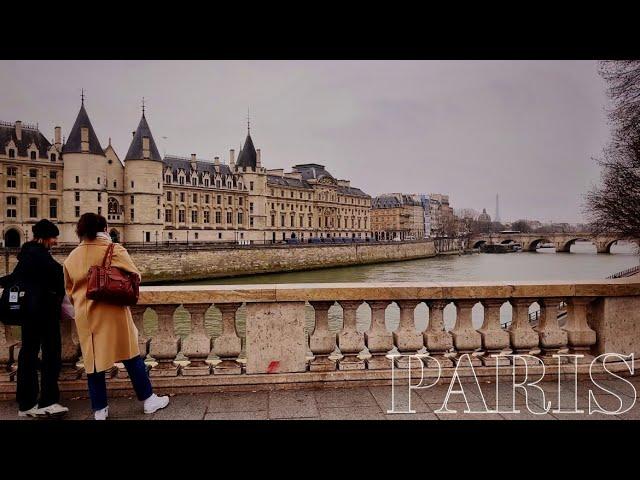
[197, 262]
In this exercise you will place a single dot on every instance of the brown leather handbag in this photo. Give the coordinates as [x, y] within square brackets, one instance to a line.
[111, 284]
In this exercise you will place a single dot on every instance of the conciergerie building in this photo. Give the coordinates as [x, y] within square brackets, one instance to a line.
[147, 198]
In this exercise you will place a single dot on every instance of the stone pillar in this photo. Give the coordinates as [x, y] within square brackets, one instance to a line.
[407, 339]
[322, 342]
[437, 340]
[465, 337]
[5, 355]
[495, 339]
[580, 336]
[552, 337]
[197, 346]
[350, 341]
[523, 337]
[379, 341]
[164, 346]
[228, 345]
[70, 351]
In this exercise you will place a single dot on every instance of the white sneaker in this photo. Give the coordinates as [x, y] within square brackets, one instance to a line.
[28, 413]
[101, 414]
[53, 409]
[155, 403]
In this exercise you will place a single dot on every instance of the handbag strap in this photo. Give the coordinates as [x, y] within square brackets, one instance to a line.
[106, 261]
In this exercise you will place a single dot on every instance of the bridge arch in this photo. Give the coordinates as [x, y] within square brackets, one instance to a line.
[566, 246]
[479, 243]
[506, 241]
[532, 246]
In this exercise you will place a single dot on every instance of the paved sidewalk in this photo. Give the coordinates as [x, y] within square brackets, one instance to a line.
[363, 403]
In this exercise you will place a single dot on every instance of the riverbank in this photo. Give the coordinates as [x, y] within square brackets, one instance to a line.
[188, 263]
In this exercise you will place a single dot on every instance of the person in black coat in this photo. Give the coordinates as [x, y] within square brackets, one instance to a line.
[43, 281]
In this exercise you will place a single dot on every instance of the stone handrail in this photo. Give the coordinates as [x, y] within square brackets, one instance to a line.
[602, 317]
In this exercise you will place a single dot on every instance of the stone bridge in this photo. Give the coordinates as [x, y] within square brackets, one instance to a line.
[531, 241]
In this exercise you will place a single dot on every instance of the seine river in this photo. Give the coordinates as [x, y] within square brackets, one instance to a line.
[581, 264]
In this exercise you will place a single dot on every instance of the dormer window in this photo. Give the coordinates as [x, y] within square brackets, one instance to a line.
[206, 182]
[33, 154]
[12, 153]
[53, 157]
[167, 178]
[194, 181]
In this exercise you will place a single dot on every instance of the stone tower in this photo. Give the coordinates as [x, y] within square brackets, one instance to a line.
[143, 207]
[84, 175]
[249, 165]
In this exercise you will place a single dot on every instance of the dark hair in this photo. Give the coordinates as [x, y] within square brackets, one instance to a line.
[90, 224]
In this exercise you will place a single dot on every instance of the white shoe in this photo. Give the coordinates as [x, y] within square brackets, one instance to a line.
[28, 413]
[53, 409]
[155, 403]
[101, 414]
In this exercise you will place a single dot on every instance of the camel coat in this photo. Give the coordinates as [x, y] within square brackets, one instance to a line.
[107, 333]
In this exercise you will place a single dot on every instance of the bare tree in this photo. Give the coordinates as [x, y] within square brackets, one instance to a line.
[521, 226]
[614, 205]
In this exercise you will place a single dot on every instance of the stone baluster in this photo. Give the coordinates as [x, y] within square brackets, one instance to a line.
[70, 351]
[495, 339]
[350, 341]
[379, 341]
[137, 313]
[465, 338]
[322, 342]
[437, 340]
[5, 354]
[523, 337]
[407, 339]
[580, 336]
[552, 337]
[165, 344]
[228, 345]
[197, 346]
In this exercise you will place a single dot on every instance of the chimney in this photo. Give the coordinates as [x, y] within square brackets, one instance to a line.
[145, 147]
[56, 137]
[216, 160]
[258, 164]
[84, 139]
[193, 161]
[232, 157]
[133, 134]
[19, 130]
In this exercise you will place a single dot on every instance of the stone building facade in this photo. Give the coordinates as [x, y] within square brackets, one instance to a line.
[150, 199]
[397, 216]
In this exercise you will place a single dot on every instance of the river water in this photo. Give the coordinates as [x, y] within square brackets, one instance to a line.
[581, 264]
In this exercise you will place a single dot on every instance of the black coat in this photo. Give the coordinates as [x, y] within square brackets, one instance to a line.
[43, 280]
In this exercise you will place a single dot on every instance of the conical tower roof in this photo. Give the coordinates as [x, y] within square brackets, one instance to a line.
[74, 140]
[248, 155]
[135, 149]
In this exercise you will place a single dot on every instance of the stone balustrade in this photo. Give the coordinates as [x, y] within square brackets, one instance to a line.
[602, 317]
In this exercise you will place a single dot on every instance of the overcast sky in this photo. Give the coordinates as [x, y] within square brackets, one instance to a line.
[524, 129]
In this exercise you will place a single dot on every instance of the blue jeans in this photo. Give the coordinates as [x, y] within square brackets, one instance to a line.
[139, 378]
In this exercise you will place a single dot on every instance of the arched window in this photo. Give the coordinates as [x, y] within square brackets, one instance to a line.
[113, 207]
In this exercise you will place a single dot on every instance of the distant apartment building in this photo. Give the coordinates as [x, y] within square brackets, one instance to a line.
[397, 216]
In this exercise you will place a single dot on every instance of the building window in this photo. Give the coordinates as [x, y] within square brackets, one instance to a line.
[218, 217]
[251, 186]
[77, 211]
[194, 181]
[182, 197]
[53, 157]
[240, 217]
[11, 213]
[98, 180]
[77, 196]
[194, 216]
[250, 207]
[167, 178]
[12, 200]
[196, 234]
[12, 153]
[99, 210]
[206, 182]
[251, 221]
[206, 198]
[273, 220]
[229, 220]
[77, 179]
[132, 184]
[168, 196]
[12, 171]
[11, 183]
[132, 215]
[282, 220]
[170, 236]
[218, 199]
[230, 201]
[99, 196]
[207, 216]
[132, 199]
[181, 216]
[114, 184]
[33, 207]
[168, 215]
[33, 173]
[158, 200]
[33, 154]
[219, 236]
[158, 214]
[195, 198]
[181, 180]
[53, 174]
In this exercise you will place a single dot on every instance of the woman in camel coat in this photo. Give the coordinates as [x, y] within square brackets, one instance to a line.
[106, 331]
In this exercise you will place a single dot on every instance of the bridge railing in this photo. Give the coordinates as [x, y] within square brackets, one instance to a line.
[275, 346]
[629, 272]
